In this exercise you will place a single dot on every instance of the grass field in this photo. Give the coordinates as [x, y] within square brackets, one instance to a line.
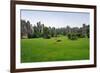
[40, 50]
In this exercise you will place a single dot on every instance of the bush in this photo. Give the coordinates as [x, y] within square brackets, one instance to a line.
[29, 35]
[58, 41]
[35, 35]
[72, 36]
[88, 35]
[69, 36]
[47, 36]
[79, 35]
[82, 36]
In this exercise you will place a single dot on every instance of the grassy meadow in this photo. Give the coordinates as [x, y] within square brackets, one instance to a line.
[41, 50]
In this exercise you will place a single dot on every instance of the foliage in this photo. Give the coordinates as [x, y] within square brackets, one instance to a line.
[29, 35]
[46, 33]
[72, 36]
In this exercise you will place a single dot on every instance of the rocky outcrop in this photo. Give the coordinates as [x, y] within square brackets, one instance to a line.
[26, 29]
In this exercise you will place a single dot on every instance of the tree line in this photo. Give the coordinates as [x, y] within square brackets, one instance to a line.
[40, 30]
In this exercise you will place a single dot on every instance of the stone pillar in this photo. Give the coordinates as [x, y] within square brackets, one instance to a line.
[84, 30]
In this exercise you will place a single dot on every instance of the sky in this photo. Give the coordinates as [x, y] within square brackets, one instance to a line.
[56, 19]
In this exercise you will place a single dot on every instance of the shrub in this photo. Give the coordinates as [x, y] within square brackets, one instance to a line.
[46, 36]
[69, 36]
[35, 35]
[82, 36]
[88, 35]
[58, 41]
[79, 35]
[72, 36]
[29, 35]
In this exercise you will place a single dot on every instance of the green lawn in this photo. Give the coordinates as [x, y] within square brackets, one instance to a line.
[39, 49]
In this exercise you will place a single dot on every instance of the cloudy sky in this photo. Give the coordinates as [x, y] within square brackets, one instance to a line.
[56, 19]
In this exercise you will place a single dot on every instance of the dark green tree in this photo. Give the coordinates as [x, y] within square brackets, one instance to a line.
[46, 33]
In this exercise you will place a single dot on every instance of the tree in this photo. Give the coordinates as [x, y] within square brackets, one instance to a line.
[46, 33]
[53, 32]
[35, 32]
